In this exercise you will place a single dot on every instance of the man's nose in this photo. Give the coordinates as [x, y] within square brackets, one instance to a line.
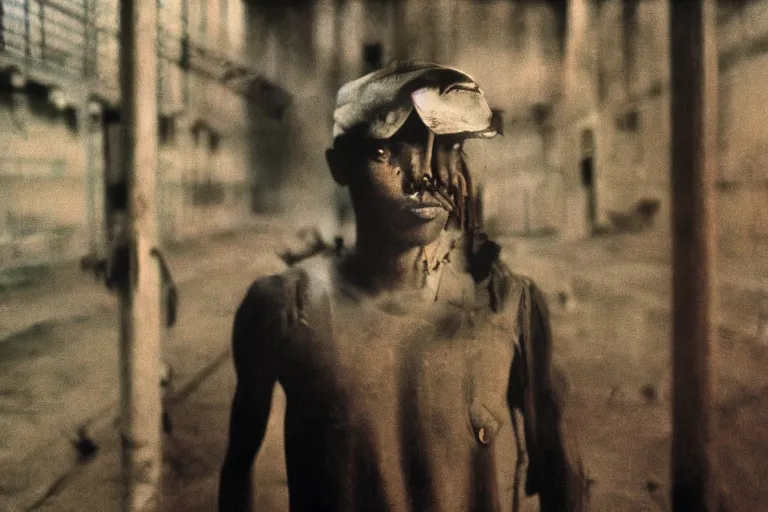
[418, 165]
[414, 170]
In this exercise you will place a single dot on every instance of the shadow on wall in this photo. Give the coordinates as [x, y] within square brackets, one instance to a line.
[208, 193]
[273, 145]
[640, 218]
[44, 102]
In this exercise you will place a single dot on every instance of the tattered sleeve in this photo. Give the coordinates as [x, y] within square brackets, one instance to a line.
[555, 471]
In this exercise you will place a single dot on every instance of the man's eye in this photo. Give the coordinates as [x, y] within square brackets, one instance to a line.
[380, 154]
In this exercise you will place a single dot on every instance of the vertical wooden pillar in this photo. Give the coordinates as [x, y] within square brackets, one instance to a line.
[337, 48]
[694, 168]
[86, 125]
[400, 33]
[140, 400]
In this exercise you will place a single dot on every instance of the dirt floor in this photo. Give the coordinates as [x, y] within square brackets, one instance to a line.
[612, 343]
[58, 352]
[611, 305]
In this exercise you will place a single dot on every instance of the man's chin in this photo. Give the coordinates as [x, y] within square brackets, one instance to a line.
[422, 233]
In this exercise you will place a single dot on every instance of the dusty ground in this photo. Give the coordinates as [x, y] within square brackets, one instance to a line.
[612, 341]
[58, 355]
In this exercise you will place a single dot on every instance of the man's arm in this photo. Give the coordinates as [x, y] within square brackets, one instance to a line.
[254, 339]
[555, 471]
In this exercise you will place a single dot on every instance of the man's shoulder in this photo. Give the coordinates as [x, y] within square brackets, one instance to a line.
[266, 290]
[499, 268]
[288, 290]
[266, 296]
[507, 287]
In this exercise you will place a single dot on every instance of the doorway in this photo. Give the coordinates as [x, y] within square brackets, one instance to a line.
[587, 171]
[115, 185]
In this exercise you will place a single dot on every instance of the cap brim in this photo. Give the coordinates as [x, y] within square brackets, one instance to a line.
[447, 100]
[461, 109]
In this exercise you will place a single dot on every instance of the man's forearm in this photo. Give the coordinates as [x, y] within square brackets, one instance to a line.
[235, 490]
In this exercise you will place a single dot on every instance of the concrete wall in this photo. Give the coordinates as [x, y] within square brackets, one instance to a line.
[52, 174]
[615, 68]
[626, 69]
[612, 65]
[42, 205]
[509, 47]
[743, 194]
[293, 47]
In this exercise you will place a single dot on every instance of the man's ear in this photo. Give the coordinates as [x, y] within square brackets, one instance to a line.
[337, 166]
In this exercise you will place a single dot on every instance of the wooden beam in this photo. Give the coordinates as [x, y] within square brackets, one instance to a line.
[694, 171]
[140, 399]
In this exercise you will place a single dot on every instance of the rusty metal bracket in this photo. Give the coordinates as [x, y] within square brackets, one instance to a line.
[170, 292]
[115, 272]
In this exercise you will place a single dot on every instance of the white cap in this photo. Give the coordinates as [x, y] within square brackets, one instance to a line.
[447, 100]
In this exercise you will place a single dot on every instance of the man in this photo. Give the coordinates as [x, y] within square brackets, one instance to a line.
[415, 366]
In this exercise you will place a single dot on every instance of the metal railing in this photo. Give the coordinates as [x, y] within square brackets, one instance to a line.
[46, 34]
[69, 39]
[32, 168]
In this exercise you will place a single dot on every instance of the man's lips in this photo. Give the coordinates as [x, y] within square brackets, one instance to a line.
[427, 208]
[422, 199]
[427, 212]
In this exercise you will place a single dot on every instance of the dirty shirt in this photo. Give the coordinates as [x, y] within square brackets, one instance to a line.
[397, 402]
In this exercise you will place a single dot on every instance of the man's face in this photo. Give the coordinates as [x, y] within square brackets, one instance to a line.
[386, 180]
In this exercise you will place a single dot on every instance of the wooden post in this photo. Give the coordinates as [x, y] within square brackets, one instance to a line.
[87, 127]
[400, 36]
[694, 168]
[338, 51]
[140, 399]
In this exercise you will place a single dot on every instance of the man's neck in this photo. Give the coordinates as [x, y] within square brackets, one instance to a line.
[379, 267]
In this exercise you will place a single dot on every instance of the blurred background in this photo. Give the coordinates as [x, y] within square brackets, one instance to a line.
[577, 191]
